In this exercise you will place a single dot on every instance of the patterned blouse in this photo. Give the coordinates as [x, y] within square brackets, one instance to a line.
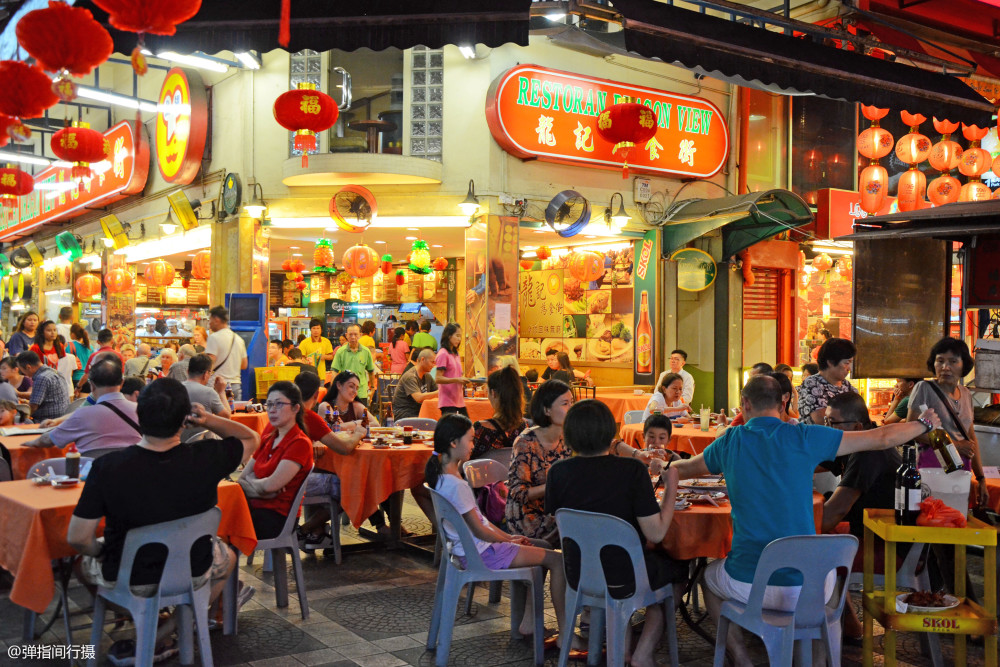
[529, 467]
[488, 436]
[815, 392]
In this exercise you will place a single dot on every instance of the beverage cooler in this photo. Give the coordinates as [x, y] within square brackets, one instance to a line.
[298, 325]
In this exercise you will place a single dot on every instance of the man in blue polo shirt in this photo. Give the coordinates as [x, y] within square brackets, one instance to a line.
[768, 466]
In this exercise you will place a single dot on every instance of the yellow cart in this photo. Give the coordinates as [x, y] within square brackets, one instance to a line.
[968, 618]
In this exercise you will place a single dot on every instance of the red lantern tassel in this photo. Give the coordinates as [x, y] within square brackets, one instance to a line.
[305, 141]
[82, 171]
[284, 30]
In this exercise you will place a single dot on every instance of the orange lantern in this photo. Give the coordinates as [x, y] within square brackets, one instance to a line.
[874, 184]
[526, 264]
[87, 286]
[845, 268]
[974, 190]
[159, 273]
[400, 277]
[543, 252]
[874, 142]
[305, 111]
[118, 280]
[913, 147]
[201, 265]
[945, 154]
[440, 263]
[624, 125]
[361, 261]
[911, 189]
[586, 266]
[822, 262]
[386, 264]
[944, 189]
[323, 257]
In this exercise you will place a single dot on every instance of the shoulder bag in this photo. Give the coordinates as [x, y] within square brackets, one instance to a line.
[232, 342]
[125, 418]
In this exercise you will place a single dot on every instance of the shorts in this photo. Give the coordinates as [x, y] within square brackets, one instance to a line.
[91, 570]
[497, 556]
[778, 598]
[323, 484]
[453, 409]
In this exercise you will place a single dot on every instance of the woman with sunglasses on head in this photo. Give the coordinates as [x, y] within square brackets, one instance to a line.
[341, 396]
[274, 473]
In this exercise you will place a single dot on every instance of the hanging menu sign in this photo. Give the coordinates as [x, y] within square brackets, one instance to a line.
[538, 113]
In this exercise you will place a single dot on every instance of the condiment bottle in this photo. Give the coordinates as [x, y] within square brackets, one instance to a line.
[72, 462]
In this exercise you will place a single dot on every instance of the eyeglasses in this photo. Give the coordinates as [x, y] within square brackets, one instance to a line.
[826, 420]
[275, 405]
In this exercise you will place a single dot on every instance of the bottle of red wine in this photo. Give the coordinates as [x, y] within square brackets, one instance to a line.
[900, 495]
[912, 491]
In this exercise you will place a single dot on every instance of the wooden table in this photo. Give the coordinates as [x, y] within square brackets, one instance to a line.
[35, 519]
[684, 438]
[369, 476]
[255, 420]
[373, 128]
[22, 458]
[479, 409]
[621, 402]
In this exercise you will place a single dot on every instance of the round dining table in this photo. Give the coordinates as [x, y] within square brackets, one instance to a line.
[479, 409]
[255, 420]
[21, 457]
[621, 402]
[687, 438]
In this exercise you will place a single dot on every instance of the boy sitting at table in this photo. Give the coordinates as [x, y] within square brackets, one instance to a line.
[128, 489]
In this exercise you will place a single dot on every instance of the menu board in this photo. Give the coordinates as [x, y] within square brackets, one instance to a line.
[590, 321]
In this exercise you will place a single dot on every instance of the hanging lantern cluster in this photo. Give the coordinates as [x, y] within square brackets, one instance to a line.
[386, 264]
[912, 148]
[439, 263]
[27, 93]
[64, 40]
[80, 145]
[420, 258]
[975, 162]
[323, 257]
[874, 143]
[945, 156]
[201, 265]
[624, 125]
[586, 266]
[159, 273]
[14, 183]
[147, 17]
[361, 261]
[87, 286]
[305, 111]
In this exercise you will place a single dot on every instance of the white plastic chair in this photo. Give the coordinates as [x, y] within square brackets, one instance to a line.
[452, 576]
[419, 423]
[58, 466]
[591, 532]
[479, 473]
[335, 511]
[814, 556]
[632, 417]
[276, 546]
[176, 589]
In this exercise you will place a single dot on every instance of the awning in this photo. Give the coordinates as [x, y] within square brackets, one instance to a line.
[958, 222]
[745, 219]
[321, 25]
[763, 59]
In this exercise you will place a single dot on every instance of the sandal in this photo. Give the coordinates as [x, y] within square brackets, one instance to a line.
[122, 652]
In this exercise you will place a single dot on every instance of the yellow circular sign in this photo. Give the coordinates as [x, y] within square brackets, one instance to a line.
[696, 270]
[181, 126]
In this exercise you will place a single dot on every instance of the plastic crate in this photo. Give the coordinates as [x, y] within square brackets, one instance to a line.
[268, 375]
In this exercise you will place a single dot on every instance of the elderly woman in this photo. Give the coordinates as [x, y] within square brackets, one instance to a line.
[836, 357]
[668, 397]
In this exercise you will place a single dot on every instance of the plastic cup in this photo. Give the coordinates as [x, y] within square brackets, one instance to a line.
[706, 418]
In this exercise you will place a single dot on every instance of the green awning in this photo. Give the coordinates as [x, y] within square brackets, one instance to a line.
[746, 219]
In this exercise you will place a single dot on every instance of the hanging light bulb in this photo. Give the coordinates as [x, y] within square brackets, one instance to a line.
[470, 204]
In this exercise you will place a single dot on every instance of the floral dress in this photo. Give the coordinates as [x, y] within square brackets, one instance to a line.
[489, 436]
[529, 467]
[815, 392]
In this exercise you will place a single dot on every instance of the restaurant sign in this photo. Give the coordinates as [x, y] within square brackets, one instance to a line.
[181, 126]
[126, 175]
[536, 113]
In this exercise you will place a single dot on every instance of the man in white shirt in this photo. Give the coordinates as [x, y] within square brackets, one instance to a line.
[65, 322]
[678, 358]
[226, 349]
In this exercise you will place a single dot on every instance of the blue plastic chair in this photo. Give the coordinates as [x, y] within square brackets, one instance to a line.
[632, 417]
[479, 473]
[814, 556]
[452, 577]
[592, 532]
[58, 465]
[419, 423]
[176, 589]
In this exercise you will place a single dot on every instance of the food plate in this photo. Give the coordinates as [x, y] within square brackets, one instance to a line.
[400, 446]
[950, 602]
[385, 430]
[680, 506]
[700, 497]
[63, 482]
[704, 484]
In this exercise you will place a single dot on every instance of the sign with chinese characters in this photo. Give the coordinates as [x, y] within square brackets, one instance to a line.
[538, 113]
[181, 126]
[123, 174]
[838, 210]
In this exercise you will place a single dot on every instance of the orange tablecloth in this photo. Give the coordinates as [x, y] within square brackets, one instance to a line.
[621, 402]
[368, 476]
[993, 485]
[35, 519]
[690, 439]
[255, 420]
[22, 458]
[479, 408]
[703, 531]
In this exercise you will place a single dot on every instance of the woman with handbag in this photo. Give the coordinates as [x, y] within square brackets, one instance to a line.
[950, 361]
[506, 395]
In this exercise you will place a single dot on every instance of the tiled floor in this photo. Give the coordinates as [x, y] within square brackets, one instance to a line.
[373, 610]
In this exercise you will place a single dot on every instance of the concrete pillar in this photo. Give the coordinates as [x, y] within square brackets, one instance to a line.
[240, 259]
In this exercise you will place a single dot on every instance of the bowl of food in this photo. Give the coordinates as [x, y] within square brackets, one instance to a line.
[925, 602]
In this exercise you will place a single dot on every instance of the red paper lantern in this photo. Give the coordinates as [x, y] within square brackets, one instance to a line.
[624, 125]
[543, 252]
[118, 280]
[87, 286]
[360, 261]
[586, 266]
[400, 277]
[873, 182]
[14, 183]
[440, 264]
[300, 285]
[154, 17]
[910, 189]
[944, 189]
[822, 262]
[159, 273]
[201, 265]
[6, 124]
[80, 145]
[27, 93]
[305, 111]
[386, 264]
[526, 264]
[65, 40]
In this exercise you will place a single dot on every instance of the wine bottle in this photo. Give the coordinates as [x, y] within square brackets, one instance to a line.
[900, 497]
[944, 449]
[912, 489]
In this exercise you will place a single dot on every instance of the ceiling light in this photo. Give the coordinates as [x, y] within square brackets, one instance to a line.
[64, 186]
[24, 158]
[381, 222]
[555, 16]
[107, 242]
[196, 239]
[168, 226]
[119, 100]
[619, 218]
[256, 206]
[250, 59]
[293, 247]
[296, 254]
[468, 51]
[590, 237]
[411, 238]
[470, 204]
[195, 60]
[437, 245]
[380, 242]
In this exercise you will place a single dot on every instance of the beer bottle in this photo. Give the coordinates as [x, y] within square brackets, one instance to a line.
[643, 338]
[335, 420]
